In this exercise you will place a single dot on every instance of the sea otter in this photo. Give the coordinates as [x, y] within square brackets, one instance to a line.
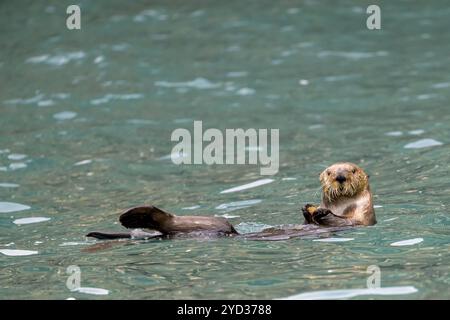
[346, 202]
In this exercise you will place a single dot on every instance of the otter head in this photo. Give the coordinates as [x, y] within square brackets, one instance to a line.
[343, 180]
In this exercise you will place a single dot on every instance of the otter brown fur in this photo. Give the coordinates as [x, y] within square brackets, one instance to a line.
[346, 202]
[151, 217]
[346, 198]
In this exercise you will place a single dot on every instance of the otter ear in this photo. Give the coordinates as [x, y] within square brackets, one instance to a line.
[368, 176]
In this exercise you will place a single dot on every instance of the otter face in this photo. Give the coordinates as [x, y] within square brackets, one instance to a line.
[343, 179]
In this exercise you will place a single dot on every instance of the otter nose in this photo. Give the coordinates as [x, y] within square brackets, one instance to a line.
[341, 179]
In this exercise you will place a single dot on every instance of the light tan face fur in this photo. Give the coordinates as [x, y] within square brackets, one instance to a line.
[343, 179]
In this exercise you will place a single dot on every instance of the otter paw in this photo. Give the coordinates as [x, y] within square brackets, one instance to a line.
[319, 214]
[308, 210]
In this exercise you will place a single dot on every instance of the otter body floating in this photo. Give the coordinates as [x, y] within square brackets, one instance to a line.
[163, 225]
[346, 202]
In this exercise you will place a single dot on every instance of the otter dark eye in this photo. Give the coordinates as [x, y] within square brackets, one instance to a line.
[354, 171]
[328, 172]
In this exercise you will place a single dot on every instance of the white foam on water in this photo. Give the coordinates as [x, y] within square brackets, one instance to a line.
[30, 220]
[17, 165]
[12, 207]
[100, 100]
[65, 115]
[89, 290]
[31, 100]
[111, 96]
[245, 91]
[341, 77]
[377, 206]
[140, 121]
[352, 55]
[197, 13]
[423, 143]
[16, 156]
[441, 85]
[72, 243]
[238, 204]
[350, 293]
[198, 83]
[288, 179]
[99, 59]
[191, 208]
[61, 95]
[149, 13]
[334, 239]
[237, 74]
[425, 96]
[254, 184]
[8, 185]
[17, 253]
[120, 47]
[408, 242]
[391, 219]
[4, 151]
[315, 126]
[226, 216]
[3, 169]
[83, 162]
[416, 132]
[45, 103]
[38, 59]
[57, 60]
[394, 133]
[303, 82]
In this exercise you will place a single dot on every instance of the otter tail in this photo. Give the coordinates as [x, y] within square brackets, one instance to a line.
[148, 217]
[109, 235]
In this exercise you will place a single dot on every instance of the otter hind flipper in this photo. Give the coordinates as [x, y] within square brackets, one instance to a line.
[133, 234]
[148, 217]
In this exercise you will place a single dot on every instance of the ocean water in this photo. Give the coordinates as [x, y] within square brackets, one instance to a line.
[85, 123]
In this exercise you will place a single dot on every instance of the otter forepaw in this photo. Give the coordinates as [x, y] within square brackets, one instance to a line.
[308, 211]
[319, 214]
